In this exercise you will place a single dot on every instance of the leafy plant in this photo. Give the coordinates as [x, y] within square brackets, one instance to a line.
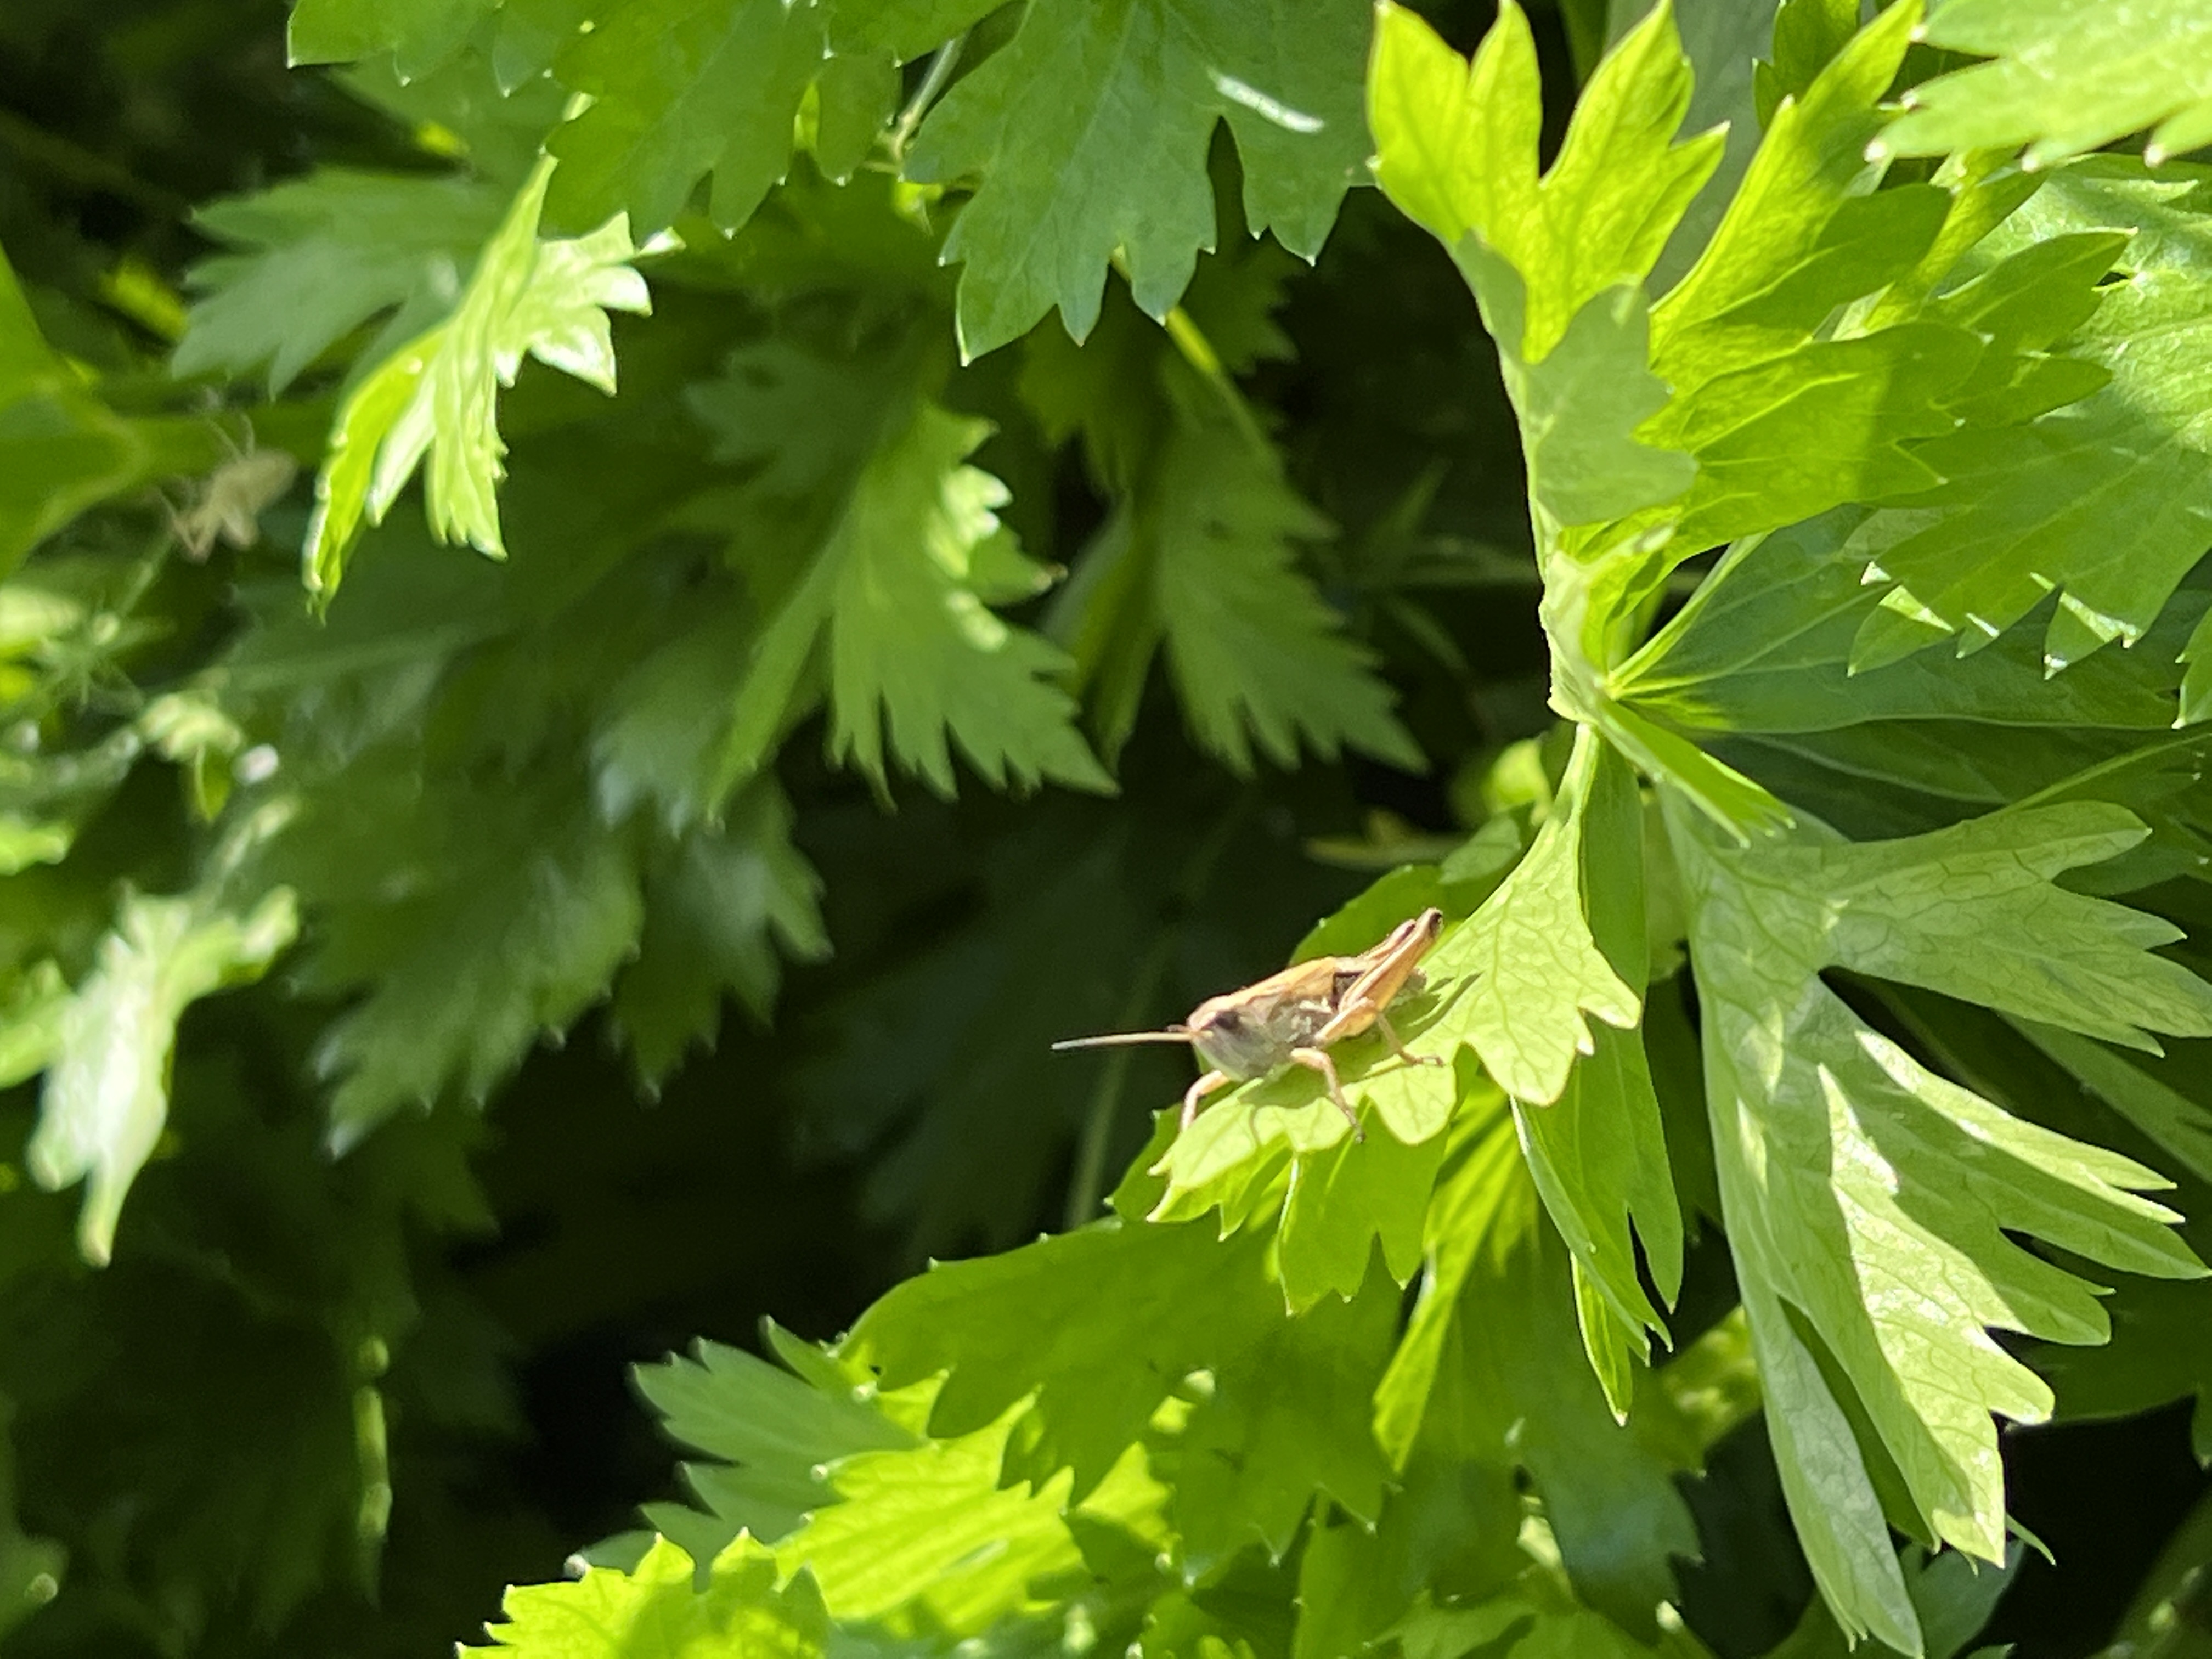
[1016, 512]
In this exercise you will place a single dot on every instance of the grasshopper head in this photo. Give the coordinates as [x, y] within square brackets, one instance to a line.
[1232, 1036]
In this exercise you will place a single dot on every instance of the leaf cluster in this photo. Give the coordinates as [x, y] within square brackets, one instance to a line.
[821, 547]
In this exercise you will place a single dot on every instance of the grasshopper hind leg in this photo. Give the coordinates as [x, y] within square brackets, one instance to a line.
[1317, 1060]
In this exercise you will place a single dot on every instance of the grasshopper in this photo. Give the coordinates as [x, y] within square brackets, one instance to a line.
[1292, 1017]
[230, 502]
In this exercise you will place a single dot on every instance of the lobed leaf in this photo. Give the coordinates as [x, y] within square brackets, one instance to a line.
[1907, 910]
[1008, 1326]
[1258, 658]
[654, 1611]
[106, 1094]
[2068, 76]
[1457, 148]
[682, 87]
[517, 910]
[1088, 134]
[317, 257]
[1287, 1425]
[1560, 944]
[1871, 1204]
[1489, 1370]
[723, 906]
[776, 1435]
[1766, 643]
[437, 398]
[912, 644]
[1598, 1156]
[1557, 265]
[2030, 506]
[927, 1542]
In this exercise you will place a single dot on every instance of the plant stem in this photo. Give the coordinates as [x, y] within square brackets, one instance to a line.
[1086, 1187]
[945, 59]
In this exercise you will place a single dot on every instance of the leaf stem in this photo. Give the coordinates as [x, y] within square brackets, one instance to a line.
[1195, 350]
[942, 63]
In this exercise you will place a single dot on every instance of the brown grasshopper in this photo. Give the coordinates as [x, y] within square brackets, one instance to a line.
[1291, 1018]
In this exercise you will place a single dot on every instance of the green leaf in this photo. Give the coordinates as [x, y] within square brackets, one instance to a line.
[1340, 1200]
[680, 87]
[1850, 1172]
[1832, 421]
[1448, 1528]
[1230, 1157]
[2026, 507]
[1557, 266]
[2067, 78]
[1598, 1156]
[776, 1436]
[1116, 385]
[421, 34]
[106, 1094]
[1199, 549]
[1257, 657]
[1008, 1326]
[1971, 911]
[517, 912]
[1785, 416]
[652, 1611]
[1285, 1421]
[1456, 150]
[1800, 236]
[927, 1543]
[722, 907]
[662, 726]
[1807, 34]
[1490, 1370]
[1561, 942]
[1535, 1627]
[1767, 641]
[1089, 133]
[1202, 559]
[319, 257]
[1582, 405]
[437, 396]
[1953, 1595]
[901, 589]
[1724, 41]
[61, 450]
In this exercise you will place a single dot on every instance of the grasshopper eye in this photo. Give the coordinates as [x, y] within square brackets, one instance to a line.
[1228, 1020]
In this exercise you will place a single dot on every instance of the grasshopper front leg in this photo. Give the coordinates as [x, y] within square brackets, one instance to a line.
[1194, 1096]
[1317, 1060]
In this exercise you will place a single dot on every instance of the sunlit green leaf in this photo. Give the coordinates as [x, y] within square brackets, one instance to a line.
[2067, 78]
[319, 257]
[436, 397]
[106, 1094]
[1871, 1203]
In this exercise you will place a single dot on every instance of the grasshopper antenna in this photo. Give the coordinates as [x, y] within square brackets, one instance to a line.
[1114, 1039]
